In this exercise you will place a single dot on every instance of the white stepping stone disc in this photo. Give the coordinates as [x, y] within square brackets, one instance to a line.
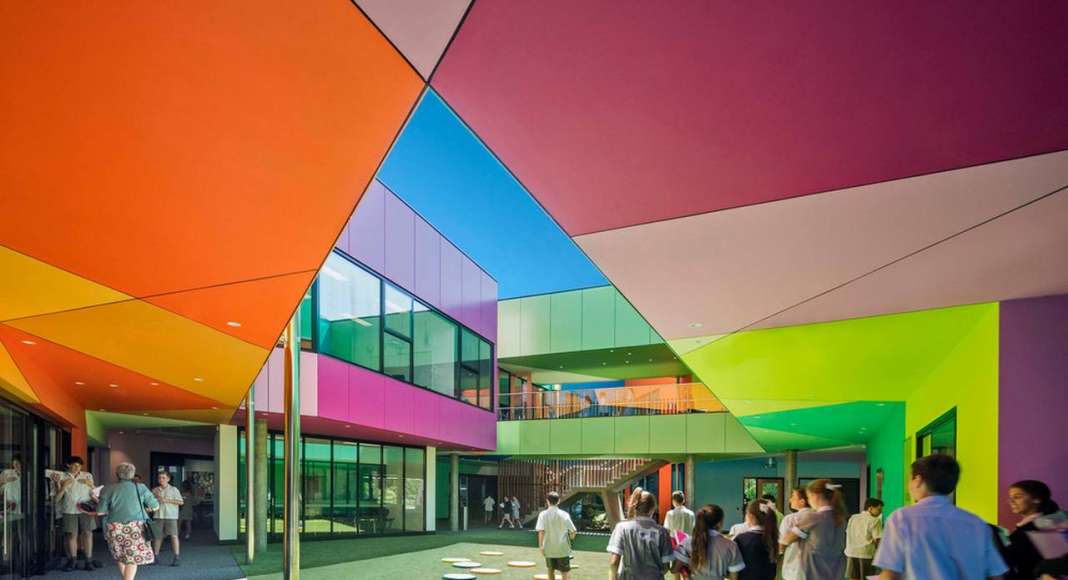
[521, 564]
[467, 564]
[541, 577]
[485, 571]
[451, 560]
[458, 576]
[491, 553]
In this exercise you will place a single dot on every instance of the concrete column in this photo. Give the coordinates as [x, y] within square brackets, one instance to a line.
[250, 476]
[431, 486]
[291, 520]
[790, 476]
[689, 488]
[612, 507]
[225, 491]
[260, 499]
[454, 492]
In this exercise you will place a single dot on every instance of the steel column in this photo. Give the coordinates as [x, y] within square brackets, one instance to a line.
[250, 476]
[291, 506]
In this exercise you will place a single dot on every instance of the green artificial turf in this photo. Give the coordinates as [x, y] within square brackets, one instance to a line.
[316, 554]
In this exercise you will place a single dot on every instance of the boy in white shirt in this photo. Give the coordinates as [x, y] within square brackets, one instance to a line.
[555, 532]
[862, 537]
[165, 522]
[679, 518]
[73, 487]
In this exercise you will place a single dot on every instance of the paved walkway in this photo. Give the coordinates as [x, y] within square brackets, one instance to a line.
[202, 559]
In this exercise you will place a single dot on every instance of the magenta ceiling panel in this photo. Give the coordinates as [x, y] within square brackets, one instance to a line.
[619, 113]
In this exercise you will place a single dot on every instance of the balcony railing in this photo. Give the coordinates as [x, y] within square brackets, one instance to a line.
[662, 399]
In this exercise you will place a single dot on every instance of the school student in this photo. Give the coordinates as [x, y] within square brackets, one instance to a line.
[820, 533]
[679, 518]
[791, 554]
[759, 543]
[165, 521]
[555, 533]
[862, 536]
[640, 547]
[933, 538]
[1031, 500]
[707, 554]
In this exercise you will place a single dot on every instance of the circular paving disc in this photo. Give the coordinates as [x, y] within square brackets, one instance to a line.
[491, 553]
[459, 576]
[485, 571]
[451, 560]
[466, 564]
[521, 564]
[541, 577]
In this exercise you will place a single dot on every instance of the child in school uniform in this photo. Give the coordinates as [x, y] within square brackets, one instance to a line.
[821, 533]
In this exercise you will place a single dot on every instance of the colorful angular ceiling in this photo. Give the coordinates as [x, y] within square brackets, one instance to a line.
[170, 193]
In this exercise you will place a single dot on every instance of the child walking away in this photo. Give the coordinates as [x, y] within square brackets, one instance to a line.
[759, 543]
[862, 537]
[821, 532]
[679, 518]
[708, 554]
[185, 512]
[515, 513]
[555, 532]
[791, 555]
[640, 548]
[506, 513]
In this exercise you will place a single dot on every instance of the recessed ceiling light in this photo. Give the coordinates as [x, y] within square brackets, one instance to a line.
[103, 409]
[696, 324]
[29, 342]
[756, 417]
[122, 432]
[153, 384]
[627, 361]
[348, 426]
[604, 364]
[145, 414]
[863, 428]
[880, 404]
[79, 383]
[793, 424]
[198, 379]
[113, 385]
[561, 366]
[234, 324]
[216, 408]
[650, 360]
[628, 354]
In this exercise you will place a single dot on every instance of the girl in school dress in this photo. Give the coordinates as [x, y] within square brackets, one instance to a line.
[821, 533]
[759, 543]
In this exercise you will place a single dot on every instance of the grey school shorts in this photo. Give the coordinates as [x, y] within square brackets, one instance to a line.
[558, 564]
[164, 528]
[75, 523]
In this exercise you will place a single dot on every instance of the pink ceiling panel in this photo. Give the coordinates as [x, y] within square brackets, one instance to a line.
[420, 29]
[739, 266]
[619, 113]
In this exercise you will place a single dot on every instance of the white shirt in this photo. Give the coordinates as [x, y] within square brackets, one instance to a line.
[12, 490]
[487, 503]
[861, 532]
[791, 558]
[680, 519]
[167, 511]
[935, 539]
[557, 525]
[79, 491]
[737, 529]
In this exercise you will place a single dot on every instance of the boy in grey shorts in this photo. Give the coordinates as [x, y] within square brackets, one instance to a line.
[166, 521]
[555, 532]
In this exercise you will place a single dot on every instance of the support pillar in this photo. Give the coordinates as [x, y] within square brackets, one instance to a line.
[454, 492]
[690, 478]
[791, 476]
[291, 503]
[260, 493]
[613, 509]
[250, 477]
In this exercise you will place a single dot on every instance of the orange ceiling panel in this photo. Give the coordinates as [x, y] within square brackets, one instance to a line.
[154, 147]
[49, 368]
[247, 310]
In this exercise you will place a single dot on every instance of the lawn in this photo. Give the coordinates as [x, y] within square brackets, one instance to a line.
[358, 557]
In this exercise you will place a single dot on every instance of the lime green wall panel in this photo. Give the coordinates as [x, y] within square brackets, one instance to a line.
[508, 437]
[631, 329]
[632, 435]
[598, 318]
[508, 328]
[598, 436]
[534, 437]
[534, 325]
[566, 322]
[736, 439]
[704, 432]
[667, 434]
[565, 436]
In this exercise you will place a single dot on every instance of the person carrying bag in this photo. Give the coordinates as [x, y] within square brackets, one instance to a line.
[126, 505]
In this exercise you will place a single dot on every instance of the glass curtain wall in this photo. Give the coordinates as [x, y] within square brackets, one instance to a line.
[349, 488]
[371, 323]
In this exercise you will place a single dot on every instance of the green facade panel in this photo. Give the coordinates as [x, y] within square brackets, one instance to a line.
[565, 437]
[598, 318]
[565, 324]
[632, 435]
[598, 436]
[508, 437]
[666, 434]
[534, 437]
[509, 328]
[534, 325]
[736, 439]
[630, 328]
[704, 432]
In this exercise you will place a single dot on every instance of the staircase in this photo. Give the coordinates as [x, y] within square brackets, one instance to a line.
[531, 479]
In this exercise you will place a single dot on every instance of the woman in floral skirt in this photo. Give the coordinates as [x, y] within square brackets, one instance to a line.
[126, 504]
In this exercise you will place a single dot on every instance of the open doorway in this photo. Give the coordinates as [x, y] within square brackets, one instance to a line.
[757, 487]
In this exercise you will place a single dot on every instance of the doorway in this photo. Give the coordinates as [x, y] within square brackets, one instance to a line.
[758, 487]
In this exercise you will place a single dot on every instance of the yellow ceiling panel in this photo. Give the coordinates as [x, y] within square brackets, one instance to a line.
[156, 343]
[32, 287]
[11, 379]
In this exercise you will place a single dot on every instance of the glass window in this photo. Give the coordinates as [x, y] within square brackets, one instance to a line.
[435, 351]
[469, 366]
[504, 392]
[370, 514]
[306, 321]
[349, 312]
[469, 349]
[345, 487]
[277, 489]
[398, 358]
[392, 490]
[485, 375]
[469, 385]
[414, 488]
[398, 312]
[939, 437]
[316, 481]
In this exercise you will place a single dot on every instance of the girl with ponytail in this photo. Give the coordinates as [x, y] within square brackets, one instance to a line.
[821, 532]
[708, 554]
[759, 543]
[640, 548]
[1031, 500]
